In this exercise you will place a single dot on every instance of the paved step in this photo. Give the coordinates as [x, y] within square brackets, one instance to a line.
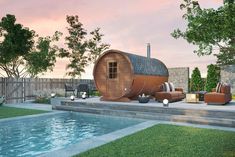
[131, 114]
[205, 120]
[152, 109]
[152, 115]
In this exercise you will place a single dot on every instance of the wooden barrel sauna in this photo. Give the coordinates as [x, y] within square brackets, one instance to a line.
[121, 76]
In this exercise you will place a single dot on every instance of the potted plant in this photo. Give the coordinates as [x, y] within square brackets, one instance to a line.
[143, 98]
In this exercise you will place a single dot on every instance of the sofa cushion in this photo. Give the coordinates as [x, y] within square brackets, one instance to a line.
[172, 87]
[218, 87]
[167, 87]
[171, 96]
[225, 89]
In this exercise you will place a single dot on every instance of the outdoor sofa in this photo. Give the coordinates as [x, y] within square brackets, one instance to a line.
[219, 95]
[172, 94]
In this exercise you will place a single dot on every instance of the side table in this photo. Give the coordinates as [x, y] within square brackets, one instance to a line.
[192, 97]
[201, 95]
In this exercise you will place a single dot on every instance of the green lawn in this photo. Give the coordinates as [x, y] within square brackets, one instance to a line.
[6, 112]
[169, 141]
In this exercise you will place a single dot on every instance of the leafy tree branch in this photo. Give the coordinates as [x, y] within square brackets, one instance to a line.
[210, 29]
[20, 55]
[80, 50]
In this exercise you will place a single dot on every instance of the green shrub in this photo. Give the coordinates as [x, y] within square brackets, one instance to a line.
[213, 76]
[196, 80]
[42, 100]
[95, 93]
[59, 95]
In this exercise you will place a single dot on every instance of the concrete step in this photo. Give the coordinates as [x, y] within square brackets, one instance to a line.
[205, 120]
[152, 116]
[153, 109]
[122, 113]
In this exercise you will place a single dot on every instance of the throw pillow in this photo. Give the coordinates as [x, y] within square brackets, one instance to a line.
[162, 87]
[218, 87]
[167, 87]
[172, 87]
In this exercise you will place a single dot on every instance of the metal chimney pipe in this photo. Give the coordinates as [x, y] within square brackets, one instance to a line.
[148, 50]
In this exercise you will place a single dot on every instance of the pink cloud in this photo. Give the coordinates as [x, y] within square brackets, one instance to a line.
[127, 25]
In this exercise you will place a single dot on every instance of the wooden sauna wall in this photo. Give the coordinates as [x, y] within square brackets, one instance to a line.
[113, 88]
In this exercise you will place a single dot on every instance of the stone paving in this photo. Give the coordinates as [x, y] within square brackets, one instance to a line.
[179, 104]
[153, 103]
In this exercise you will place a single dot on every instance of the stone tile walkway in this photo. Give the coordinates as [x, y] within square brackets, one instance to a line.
[179, 104]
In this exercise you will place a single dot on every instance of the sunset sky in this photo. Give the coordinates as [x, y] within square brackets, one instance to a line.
[127, 25]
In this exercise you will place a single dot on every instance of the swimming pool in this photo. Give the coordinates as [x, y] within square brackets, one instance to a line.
[38, 135]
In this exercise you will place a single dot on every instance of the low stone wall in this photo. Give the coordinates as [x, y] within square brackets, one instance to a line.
[228, 76]
[180, 77]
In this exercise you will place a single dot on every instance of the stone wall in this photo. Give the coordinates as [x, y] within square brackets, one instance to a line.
[180, 77]
[228, 76]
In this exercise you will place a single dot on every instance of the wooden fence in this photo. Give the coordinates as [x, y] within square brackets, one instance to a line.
[22, 89]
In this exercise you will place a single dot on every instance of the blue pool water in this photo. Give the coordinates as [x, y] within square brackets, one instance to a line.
[34, 136]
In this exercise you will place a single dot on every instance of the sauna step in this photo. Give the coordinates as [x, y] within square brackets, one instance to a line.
[131, 114]
[152, 109]
[204, 120]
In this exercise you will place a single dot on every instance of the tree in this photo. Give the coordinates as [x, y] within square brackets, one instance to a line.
[80, 50]
[95, 45]
[196, 80]
[20, 56]
[213, 76]
[43, 57]
[16, 43]
[210, 29]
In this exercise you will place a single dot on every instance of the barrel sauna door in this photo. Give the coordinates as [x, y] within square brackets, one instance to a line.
[112, 81]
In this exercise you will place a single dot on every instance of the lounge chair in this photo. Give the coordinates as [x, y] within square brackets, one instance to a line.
[68, 89]
[219, 95]
[82, 88]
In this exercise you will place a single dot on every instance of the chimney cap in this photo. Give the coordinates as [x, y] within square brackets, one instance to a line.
[148, 50]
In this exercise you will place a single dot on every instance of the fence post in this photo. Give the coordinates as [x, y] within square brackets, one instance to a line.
[23, 83]
[5, 89]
